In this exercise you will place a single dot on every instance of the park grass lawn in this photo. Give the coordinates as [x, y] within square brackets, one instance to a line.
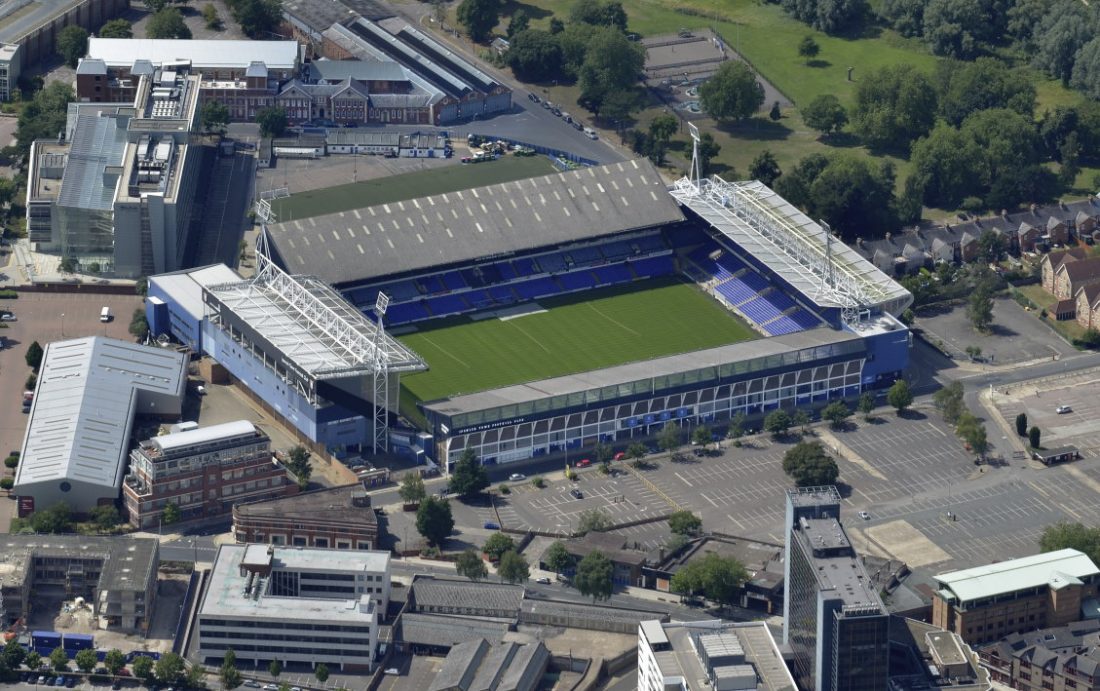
[357, 195]
[585, 331]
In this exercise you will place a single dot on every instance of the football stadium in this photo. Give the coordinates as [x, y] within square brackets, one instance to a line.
[600, 304]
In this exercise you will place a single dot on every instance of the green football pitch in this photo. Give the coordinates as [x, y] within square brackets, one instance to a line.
[579, 332]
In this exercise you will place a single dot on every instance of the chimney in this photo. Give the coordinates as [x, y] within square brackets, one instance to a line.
[889, 236]
[859, 242]
[1004, 214]
[1033, 208]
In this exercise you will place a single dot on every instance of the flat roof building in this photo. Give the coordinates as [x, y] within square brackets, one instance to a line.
[989, 602]
[834, 620]
[703, 655]
[335, 517]
[89, 391]
[116, 576]
[294, 605]
[203, 472]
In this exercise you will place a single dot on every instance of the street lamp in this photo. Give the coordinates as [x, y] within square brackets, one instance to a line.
[63, 325]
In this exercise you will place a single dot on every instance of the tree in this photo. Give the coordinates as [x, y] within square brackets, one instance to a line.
[597, 13]
[434, 520]
[44, 116]
[519, 21]
[602, 452]
[708, 150]
[765, 168]
[971, 430]
[830, 16]
[13, 654]
[34, 355]
[412, 489]
[949, 401]
[321, 672]
[894, 105]
[33, 660]
[808, 464]
[670, 438]
[854, 198]
[498, 544]
[155, 5]
[808, 48]
[899, 396]
[1021, 424]
[479, 17]
[470, 564]
[298, 463]
[775, 115]
[980, 309]
[114, 661]
[968, 87]
[272, 121]
[684, 523]
[952, 27]
[55, 519]
[777, 422]
[660, 131]
[105, 516]
[117, 28]
[611, 63]
[618, 104]
[825, 114]
[230, 658]
[732, 93]
[167, 23]
[143, 667]
[1063, 535]
[637, 451]
[593, 520]
[837, 413]
[215, 115]
[700, 436]
[513, 567]
[231, 677]
[11, 462]
[468, 478]
[1035, 437]
[211, 18]
[534, 55]
[6, 483]
[275, 668]
[1086, 69]
[718, 578]
[594, 576]
[170, 515]
[906, 16]
[59, 659]
[258, 18]
[72, 44]
[1061, 33]
[557, 557]
[800, 419]
[169, 668]
[195, 677]
[85, 660]
[139, 325]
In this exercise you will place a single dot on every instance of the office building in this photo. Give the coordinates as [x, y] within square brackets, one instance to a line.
[335, 517]
[28, 31]
[834, 621]
[710, 655]
[120, 191]
[294, 605]
[89, 391]
[204, 472]
[989, 602]
[116, 576]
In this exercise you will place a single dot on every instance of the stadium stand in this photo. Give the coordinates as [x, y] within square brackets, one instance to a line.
[577, 280]
[647, 267]
[613, 273]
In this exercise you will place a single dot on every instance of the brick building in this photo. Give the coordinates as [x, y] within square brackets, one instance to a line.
[1053, 261]
[989, 602]
[336, 518]
[203, 472]
[1059, 659]
[1074, 275]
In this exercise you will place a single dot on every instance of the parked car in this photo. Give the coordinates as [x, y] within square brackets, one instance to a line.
[584, 463]
[393, 670]
[533, 97]
[9, 317]
[577, 494]
[70, 682]
[543, 580]
[116, 685]
[590, 133]
[489, 525]
[252, 683]
[864, 515]
[1063, 409]
[619, 456]
[517, 477]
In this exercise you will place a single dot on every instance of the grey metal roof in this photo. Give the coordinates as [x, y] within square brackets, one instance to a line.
[87, 395]
[460, 666]
[463, 226]
[128, 562]
[527, 664]
[91, 66]
[442, 56]
[122, 52]
[97, 143]
[363, 70]
[256, 69]
[410, 57]
[443, 631]
[333, 505]
[638, 371]
[560, 608]
[350, 137]
[442, 593]
[1036, 571]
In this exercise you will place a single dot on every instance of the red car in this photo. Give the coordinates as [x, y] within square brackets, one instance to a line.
[619, 456]
[584, 463]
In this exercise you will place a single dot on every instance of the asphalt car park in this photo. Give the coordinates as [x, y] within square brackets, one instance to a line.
[1080, 426]
[1015, 335]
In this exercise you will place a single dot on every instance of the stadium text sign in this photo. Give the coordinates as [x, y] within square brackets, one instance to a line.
[491, 425]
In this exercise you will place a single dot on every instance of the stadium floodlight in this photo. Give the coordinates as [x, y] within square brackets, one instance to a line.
[381, 303]
[696, 174]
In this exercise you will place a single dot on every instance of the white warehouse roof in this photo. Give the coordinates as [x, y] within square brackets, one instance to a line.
[88, 392]
[122, 52]
[1055, 569]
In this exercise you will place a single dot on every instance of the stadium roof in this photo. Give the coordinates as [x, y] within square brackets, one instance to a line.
[186, 286]
[638, 371]
[1050, 568]
[123, 52]
[463, 226]
[311, 324]
[769, 227]
[84, 404]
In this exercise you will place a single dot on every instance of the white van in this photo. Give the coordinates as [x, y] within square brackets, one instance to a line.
[105, 314]
[590, 133]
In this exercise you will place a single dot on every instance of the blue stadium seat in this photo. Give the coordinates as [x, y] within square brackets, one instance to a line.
[453, 281]
[735, 291]
[447, 304]
[653, 266]
[507, 271]
[804, 318]
[577, 280]
[473, 278]
[613, 273]
[524, 266]
[652, 243]
[583, 256]
[490, 274]
[551, 263]
[783, 325]
[614, 251]
[404, 313]
[400, 291]
[759, 310]
[536, 288]
[782, 301]
[431, 284]
[502, 294]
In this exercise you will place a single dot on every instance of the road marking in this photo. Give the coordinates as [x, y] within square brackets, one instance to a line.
[683, 479]
[708, 499]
